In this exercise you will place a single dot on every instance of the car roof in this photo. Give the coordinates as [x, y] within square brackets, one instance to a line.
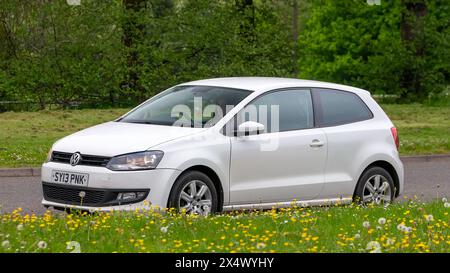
[263, 84]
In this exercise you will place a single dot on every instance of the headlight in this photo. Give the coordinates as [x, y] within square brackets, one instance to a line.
[137, 161]
[49, 156]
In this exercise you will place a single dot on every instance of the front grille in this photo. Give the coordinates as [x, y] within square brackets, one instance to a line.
[93, 197]
[86, 160]
[72, 195]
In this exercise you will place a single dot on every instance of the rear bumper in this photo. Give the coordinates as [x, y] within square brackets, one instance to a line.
[157, 183]
[395, 161]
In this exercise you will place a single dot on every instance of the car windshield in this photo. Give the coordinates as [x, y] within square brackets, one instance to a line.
[187, 106]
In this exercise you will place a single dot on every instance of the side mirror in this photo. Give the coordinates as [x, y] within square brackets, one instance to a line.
[250, 128]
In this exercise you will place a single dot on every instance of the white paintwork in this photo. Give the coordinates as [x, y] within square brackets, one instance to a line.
[307, 203]
[115, 138]
[249, 177]
[292, 171]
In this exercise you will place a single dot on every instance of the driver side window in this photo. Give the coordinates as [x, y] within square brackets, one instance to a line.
[279, 111]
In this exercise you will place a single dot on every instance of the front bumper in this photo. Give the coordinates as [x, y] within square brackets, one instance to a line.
[157, 183]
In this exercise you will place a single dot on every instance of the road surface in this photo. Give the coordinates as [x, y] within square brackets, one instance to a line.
[426, 180]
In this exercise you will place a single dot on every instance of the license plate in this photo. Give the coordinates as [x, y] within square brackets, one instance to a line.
[68, 178]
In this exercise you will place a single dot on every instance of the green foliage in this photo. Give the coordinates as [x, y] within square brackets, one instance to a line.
[111, 52]
[62, 53]
[358, 44]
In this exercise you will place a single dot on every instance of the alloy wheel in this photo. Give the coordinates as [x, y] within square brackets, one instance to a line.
[377, 190]
[195, 198]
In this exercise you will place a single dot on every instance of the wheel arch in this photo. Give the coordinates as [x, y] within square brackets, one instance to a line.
[389, 168]
[212, 175]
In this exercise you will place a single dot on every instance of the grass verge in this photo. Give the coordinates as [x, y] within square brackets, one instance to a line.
[25, 137]
[401, 227]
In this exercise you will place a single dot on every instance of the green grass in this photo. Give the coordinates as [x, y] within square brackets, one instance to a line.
[325, 229]
[422, 129]
[25, 137]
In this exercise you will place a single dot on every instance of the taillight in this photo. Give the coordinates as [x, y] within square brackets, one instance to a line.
[395, 136]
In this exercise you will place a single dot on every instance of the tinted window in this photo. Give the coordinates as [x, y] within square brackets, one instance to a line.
[339, 107]
[281, 111]
[187, 106]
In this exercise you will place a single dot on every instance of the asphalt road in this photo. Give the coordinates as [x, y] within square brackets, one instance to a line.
[426, 180]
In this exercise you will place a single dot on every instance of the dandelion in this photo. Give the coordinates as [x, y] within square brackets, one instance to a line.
[5, 244]
[373, 247]
[382, 221]
[446, 205]
[42, 245]
[429, 218]
[366, 224]
[390, 241]
[260, 245]
[357, 236]
[376, 250]
[379, 228]
[444, 200]
[400, 227]
[206, 210]
[19, 227]
[82, 194]
[164, 229]
[406, 229]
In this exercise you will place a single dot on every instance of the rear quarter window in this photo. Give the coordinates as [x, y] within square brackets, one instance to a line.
[336, 107]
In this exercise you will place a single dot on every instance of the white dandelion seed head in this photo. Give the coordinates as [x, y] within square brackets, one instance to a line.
[260, 245]
[429, 218]
[366, 224]
[400, 227]
[206, 210]
[444, 200]
[164, 229]
[357, 236]
[379, 228]
[5, 244]
[406, 229]
[373, 245]
[20, 227]
[42, 244]
[446, 205]
[376, 250]
[382, 221]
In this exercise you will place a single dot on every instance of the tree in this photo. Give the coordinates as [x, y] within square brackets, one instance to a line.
[412, 31]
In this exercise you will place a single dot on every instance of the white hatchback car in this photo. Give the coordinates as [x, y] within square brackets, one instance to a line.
[231, 143]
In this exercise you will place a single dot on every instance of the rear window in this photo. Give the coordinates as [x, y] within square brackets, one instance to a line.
[337, 107]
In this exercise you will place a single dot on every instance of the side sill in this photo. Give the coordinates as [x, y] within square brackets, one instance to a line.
[308, 203]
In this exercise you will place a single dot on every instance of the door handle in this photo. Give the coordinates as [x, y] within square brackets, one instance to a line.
[316, 143]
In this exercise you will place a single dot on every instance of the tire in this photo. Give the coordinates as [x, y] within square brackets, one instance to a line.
[381, 189]
[204, 200]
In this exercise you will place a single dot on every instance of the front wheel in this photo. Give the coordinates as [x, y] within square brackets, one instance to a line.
[194, 193]
[375, 186]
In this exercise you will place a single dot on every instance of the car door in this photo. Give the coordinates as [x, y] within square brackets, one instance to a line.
[285, 162]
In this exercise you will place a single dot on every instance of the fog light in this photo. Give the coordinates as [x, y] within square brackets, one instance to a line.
[130, 196]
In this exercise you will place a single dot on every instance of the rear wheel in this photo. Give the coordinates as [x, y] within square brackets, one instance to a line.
[375, 186]
[194, 193]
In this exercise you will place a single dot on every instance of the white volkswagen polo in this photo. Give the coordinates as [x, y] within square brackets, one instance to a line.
[231, 143]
